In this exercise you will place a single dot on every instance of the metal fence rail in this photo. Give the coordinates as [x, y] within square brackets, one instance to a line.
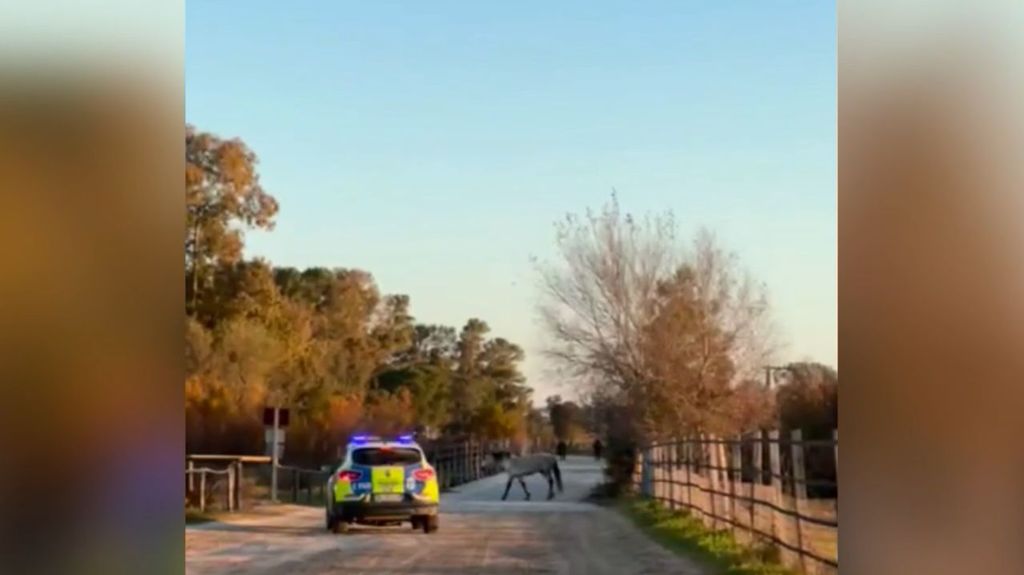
[760, 487]
[231, 483]
[458, 463]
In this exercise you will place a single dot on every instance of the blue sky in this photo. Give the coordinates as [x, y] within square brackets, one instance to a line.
[435, 143]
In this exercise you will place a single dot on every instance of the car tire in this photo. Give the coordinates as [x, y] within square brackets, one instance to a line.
[430, 524]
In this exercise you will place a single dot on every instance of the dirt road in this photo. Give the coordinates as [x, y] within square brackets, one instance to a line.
[480, 534]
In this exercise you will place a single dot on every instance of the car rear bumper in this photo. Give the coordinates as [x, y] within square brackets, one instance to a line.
[355, 510]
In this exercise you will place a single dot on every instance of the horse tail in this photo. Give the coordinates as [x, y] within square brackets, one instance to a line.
[558, 475]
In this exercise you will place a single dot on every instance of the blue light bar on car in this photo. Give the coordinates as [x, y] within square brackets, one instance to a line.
[408, 438]
[363, 438]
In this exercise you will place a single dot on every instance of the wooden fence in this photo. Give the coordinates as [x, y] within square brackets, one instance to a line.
[215, 481]
[766, 489]
[232, 482]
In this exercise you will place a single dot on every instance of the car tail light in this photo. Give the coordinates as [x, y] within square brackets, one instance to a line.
[423, 474]
[349, 475]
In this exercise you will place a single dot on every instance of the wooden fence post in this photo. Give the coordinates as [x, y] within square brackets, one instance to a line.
[799, 487]
[654, 473]
[231, 488]
[723, 478]
[295, 485]
[239, 477]
[687, 464]
[666, 474]
[835, 441]
[635, 476]
[775, 467]
[656, 483]
[799, 471]
[673, 453]
[736, 476]
[713, 465]
[191, 470]
[756, 480]
[202, 490]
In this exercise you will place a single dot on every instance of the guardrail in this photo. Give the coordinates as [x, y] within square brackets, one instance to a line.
[757, 486]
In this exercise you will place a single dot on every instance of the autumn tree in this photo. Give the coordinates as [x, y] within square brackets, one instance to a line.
[705, 335]
[242, 289]
[222, 193]
[324, 341]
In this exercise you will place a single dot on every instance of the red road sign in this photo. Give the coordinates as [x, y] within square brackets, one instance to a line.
[282, 416]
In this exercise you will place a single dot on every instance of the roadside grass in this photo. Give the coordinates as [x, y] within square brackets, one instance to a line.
[682, 533]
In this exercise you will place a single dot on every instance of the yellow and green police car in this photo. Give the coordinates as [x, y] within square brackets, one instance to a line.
[383, 483]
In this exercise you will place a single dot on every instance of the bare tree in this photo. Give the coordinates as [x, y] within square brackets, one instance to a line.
[668, 331]
[596, 300]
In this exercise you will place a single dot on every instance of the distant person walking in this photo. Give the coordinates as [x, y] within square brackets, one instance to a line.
[598, 448]
[562, 449]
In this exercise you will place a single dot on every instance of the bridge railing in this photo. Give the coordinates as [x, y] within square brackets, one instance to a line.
[764, 488]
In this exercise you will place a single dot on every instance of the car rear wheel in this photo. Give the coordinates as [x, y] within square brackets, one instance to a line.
[430, 524]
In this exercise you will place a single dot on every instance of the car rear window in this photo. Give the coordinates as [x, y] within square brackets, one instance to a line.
[386, 456]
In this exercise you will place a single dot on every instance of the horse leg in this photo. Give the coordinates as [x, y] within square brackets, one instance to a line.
[551, 485]
[507, 487]
[523, 483]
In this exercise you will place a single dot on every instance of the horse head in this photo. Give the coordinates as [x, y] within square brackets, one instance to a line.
[501, 459]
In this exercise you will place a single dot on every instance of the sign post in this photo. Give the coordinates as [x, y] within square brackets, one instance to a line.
[275, 418]
[274, 457]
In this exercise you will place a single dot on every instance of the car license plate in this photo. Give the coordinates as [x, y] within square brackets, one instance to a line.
[387, 497]
[390, 480]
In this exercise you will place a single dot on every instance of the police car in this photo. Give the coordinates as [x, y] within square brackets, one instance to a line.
[383, 483]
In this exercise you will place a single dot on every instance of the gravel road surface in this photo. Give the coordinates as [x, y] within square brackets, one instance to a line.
[479, 534]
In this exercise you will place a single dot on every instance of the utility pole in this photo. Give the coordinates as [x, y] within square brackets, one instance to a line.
[768, 370]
